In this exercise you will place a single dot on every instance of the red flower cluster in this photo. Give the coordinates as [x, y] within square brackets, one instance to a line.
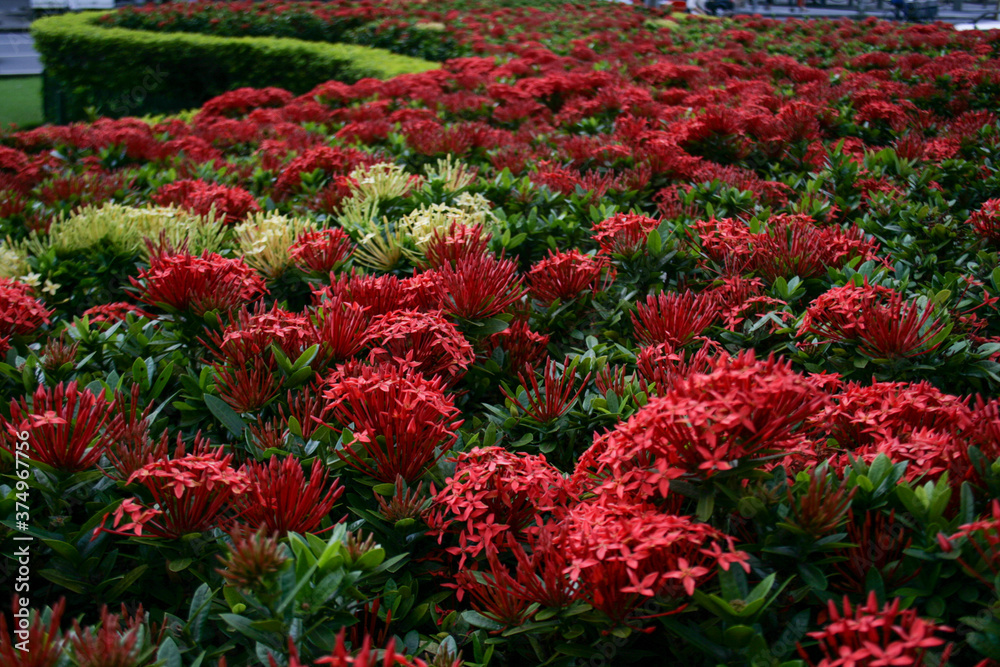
[64, 426]
[623, 554]
[20, 312]
[742, 409]
[426, 341]
[229, 204]
[624, 233]
[882, 322]
[871, 636]
[674, 317]
[401, 423]
[563, 276]
[190, 494]
[495, 493]
[986, 221]
[181, 282]
[282, 501]
[320, 252]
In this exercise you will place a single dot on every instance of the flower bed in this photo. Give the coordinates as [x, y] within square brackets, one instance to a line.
[586, 351]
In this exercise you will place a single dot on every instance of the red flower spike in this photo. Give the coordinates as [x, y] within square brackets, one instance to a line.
[522, 346]
[555, 396]
[823, 507]
[282, 501]
[377, 294]
[340, 328]
[458, 243]
[879, 541]
[247, 389]
[64, 426]
[229, 204]
[478, 287]
[675, 318]
[986, 221]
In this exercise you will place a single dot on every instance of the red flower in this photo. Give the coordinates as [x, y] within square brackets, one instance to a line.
[864, 414]
[986, 221]
[333, 161]
[191, 494]
[283, 501]
[624, 233]
[623, 554]
[984, 537]
[401, 422]
[432, 344]
[110, 645]
[340, 327]
[879, 319]
[878, 544]
[43, 640]
[522, 346]
[63, 425]
[378, 294]
[478, 287]
[459, 242]
[494, 493]
[563, 276]
[229, 204]
[672, 317]
[247, 387]
[742, 410]
[114, 312]
[320, 252]
[252, 333]
[874, 636]
[183, 282]
[20, 313]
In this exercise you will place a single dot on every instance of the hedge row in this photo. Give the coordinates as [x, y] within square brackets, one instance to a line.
[117, 72]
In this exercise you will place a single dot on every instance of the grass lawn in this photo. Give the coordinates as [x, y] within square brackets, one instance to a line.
[21, 101]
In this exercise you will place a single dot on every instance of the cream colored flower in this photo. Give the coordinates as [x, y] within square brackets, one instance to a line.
[265, 239]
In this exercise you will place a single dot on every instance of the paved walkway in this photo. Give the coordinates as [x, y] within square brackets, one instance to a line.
[19, 58]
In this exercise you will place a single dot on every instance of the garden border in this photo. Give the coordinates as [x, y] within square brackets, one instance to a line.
[121, 72]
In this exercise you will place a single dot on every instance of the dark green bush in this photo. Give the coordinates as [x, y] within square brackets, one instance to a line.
[117, 72]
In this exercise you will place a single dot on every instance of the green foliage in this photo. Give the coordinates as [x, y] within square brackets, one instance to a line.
[90, 69]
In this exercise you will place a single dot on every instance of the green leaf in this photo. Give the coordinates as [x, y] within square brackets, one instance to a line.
[168, 654]
[127, 581]
[225, 414]
[812, 576]
[476, 619]
[654, 243]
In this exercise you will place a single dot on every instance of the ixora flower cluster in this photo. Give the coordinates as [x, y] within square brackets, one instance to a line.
[617, 339]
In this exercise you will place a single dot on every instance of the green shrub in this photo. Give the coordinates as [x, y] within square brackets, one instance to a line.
[118, 72]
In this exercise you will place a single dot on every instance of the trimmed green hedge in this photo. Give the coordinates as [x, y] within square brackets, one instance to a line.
[118, 72]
